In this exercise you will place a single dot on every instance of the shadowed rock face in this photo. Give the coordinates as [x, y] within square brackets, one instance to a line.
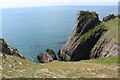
[9, 50]
[78, 46]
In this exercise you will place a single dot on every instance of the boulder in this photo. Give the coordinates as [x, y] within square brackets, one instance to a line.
[109, 17]
[51, 53]
[48, 56]
[41, 58]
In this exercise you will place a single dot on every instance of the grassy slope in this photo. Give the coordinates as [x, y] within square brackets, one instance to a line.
[112, 25]
[17, 67]
[96, 68]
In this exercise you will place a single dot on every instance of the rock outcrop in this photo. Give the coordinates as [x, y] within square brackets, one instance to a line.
[88, 32]
[9, 50]
[109, 17]
[81, 40]
[51, 53]
[48, 56]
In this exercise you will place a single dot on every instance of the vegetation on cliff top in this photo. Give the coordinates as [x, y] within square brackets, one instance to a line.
[112, 26]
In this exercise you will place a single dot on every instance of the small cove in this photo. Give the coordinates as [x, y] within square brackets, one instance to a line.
[33, 30]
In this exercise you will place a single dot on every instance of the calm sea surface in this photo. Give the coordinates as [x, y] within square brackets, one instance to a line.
[33, 30]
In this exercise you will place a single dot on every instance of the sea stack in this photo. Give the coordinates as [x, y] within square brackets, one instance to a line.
[48, 56]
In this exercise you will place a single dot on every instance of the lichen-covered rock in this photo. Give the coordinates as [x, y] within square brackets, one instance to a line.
[48, 56]
[84, 36]
[9, 50]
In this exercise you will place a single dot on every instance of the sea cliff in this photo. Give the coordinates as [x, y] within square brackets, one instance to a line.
[91, 38]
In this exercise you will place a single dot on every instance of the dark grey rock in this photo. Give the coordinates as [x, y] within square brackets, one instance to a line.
[48, 56]
[109, 17]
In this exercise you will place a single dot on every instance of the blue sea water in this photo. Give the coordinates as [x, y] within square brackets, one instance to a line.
[34, 29]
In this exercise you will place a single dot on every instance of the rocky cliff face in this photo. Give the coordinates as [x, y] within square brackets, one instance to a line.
[108, 44]
[9, 50]
[105, 47]
[82, 43]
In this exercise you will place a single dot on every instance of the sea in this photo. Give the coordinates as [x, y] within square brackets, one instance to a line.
[34, 29]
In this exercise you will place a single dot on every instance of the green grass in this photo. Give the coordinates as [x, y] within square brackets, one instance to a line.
[97, 68]
[109, 60]
[112, 25]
